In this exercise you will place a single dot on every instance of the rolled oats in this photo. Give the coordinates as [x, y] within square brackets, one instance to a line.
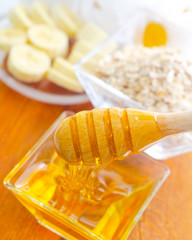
[158, 78]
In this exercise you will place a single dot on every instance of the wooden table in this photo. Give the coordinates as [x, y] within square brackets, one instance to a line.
[23, 121]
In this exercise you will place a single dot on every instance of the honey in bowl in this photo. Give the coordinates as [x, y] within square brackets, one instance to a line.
[80, 201]
[98, 207]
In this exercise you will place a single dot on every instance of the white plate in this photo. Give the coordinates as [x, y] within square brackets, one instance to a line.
[108, 16]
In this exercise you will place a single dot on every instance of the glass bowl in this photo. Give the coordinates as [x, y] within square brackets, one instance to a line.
[109, 211]
[104, 95]
[45, 91]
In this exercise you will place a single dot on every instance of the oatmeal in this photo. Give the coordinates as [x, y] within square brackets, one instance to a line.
[159, 78]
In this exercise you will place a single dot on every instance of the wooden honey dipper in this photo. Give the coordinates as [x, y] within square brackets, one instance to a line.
[103, 135]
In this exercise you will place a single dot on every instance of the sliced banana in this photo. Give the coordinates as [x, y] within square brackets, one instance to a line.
[51, 40]
[27, 64]
[75, 57]
[80, 49]
[40, 13]
[20, 17]
[63, 66]
[10, 37]
[63, 80]
[82, 46]
[66, 20]
[89, 65]
[92, 34]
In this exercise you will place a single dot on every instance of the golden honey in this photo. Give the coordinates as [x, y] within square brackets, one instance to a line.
[78, 202]
[101, 201]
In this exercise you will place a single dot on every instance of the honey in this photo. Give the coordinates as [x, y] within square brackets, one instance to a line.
[154, 35]
[82, 202]
[103, 201]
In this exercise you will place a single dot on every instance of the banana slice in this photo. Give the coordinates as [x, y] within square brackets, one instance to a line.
[66, 20]
[27, 64]
[10, 37]
[64, 81]
[20, 18]
[63, 66]
[40, 13]
[51, 40]
[80, 49]
[82, 46]
[75, 57]
[92, 34]
[90, 65]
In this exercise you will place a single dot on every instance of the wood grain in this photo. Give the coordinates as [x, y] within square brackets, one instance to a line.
[23, 121]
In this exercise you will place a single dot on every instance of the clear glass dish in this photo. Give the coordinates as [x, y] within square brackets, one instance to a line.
[46, 91]
[104, 95]
[110, 212]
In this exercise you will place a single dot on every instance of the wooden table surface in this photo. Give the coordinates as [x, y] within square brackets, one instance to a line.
[23, 121]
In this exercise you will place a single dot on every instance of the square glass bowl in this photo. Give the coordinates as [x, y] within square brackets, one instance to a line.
[105, 209]
[104, 95]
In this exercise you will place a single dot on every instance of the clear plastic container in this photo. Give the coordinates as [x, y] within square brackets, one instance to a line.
[104, 95]
[119, 193]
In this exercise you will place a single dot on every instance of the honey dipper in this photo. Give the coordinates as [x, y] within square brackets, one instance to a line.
[103, 135]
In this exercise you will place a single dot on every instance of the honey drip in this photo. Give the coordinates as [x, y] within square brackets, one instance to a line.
[77, 180]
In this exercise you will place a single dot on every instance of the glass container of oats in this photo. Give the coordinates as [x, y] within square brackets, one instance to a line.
[147, 63]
